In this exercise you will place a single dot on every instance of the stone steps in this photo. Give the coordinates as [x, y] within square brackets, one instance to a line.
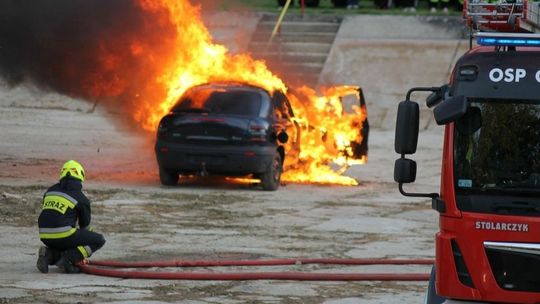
[300, 27]
[299, 49]
[296, 57]
[301, 37]
[295, 46]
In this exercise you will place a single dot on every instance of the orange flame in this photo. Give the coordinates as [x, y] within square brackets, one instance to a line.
[197, 60]
[327, 130]
[327, 135]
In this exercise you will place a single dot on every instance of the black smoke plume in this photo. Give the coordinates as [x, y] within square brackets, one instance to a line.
[92, 49]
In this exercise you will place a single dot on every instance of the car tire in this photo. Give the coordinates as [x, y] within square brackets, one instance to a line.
[271, 179]
[168, 177]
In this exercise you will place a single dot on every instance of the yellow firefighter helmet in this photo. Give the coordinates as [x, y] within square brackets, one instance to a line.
[74, 169]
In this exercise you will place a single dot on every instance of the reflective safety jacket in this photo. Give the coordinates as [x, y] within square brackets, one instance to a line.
[63, 205]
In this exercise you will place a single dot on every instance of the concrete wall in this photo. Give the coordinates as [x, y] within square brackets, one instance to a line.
[387, 55]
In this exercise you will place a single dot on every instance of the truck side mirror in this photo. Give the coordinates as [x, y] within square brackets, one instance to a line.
[450, 110]
[406, 141]
[407, 124]
[404, 170]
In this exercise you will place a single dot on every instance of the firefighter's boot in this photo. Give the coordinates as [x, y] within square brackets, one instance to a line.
[45, 258]
[67, 266]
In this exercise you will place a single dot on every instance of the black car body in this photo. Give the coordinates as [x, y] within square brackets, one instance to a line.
[231, 129]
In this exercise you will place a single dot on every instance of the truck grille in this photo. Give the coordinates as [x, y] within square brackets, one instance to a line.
[516, 266]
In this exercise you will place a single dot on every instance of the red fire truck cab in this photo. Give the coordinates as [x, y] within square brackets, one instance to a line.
[488, 246]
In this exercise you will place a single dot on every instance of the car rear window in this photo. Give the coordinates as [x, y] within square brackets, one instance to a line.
[220, 101]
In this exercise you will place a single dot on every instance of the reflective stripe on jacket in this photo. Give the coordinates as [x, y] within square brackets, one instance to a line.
[56, 233]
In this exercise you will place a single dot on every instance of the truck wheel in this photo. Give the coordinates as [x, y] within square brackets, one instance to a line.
[168, 177]
[431, 295]
[272, 177]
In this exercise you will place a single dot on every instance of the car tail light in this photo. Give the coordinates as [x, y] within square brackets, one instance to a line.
[257, 132]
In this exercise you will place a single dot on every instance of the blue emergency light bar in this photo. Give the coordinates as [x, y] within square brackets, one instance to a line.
[508, 39]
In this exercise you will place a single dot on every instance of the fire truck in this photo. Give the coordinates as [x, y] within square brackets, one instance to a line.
[488, 244]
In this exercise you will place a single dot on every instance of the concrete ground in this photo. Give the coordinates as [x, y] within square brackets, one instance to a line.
[218, 219]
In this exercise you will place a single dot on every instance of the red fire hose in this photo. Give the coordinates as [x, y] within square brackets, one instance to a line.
[96, 268]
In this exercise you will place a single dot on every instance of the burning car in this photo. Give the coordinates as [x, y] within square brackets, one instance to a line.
[231, 129]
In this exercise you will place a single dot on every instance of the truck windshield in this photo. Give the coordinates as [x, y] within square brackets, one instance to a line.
[497, 147]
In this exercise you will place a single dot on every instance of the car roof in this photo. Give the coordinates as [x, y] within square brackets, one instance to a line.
[230, 85]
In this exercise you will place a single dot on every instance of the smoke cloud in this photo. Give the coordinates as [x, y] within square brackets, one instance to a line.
[93, 49]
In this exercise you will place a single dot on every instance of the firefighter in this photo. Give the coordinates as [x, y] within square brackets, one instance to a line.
[64, 204]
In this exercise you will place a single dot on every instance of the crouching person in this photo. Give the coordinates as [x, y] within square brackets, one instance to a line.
[64, 204]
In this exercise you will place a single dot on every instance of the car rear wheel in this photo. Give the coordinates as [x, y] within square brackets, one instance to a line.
[272, 177]
[168, 177]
